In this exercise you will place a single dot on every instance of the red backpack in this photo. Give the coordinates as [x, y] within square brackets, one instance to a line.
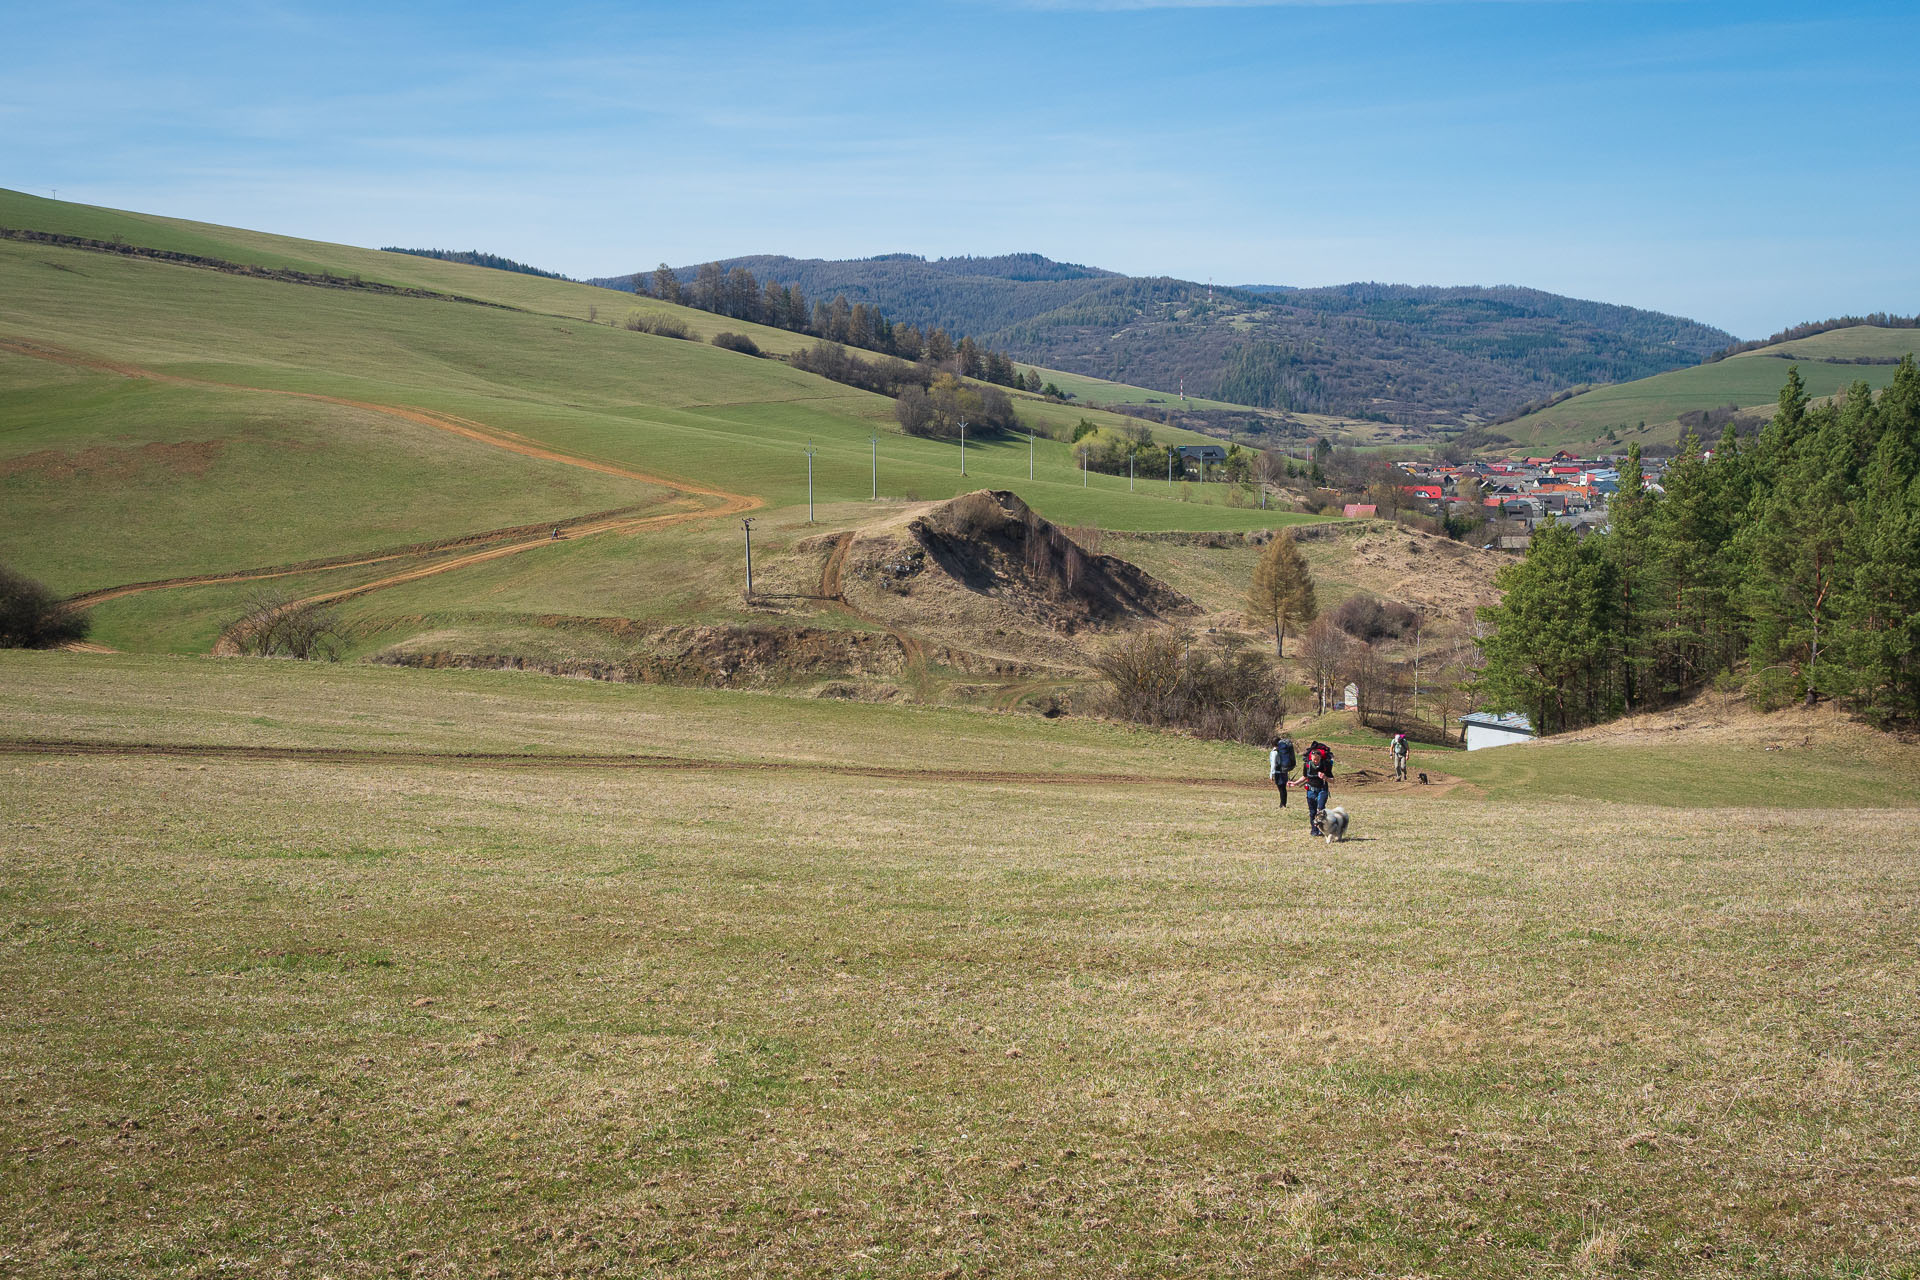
[1319, 761]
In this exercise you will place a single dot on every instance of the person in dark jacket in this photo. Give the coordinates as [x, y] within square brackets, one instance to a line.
[1280, 765]
[1317, 769]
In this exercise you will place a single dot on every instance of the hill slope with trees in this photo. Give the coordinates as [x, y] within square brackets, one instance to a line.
[1435, 356]
[1791, 561]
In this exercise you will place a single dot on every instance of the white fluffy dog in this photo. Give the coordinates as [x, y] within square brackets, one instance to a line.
[1334, 821]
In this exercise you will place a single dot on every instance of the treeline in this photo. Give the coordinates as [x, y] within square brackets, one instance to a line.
[1795, 556]
[739, 294]
[1878, 319]
[475, 258]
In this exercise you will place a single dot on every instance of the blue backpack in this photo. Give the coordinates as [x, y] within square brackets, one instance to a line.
[1286, 754]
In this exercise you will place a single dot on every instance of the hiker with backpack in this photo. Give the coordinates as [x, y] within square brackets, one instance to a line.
[1317, 770]
[1280, 765]
[1399, 757]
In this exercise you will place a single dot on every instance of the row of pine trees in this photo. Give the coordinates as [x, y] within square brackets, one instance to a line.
[1791, 561]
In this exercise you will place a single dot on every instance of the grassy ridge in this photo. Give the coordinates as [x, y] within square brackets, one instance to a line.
[1750, 380]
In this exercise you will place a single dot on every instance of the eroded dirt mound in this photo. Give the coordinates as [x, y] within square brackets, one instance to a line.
[1440, 577]
[987, 573]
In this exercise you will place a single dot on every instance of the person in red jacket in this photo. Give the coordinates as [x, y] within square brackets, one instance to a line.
[1317, 768]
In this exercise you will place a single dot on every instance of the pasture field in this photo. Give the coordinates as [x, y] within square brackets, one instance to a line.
[162, 421]
[848, 990]
[1751, 380]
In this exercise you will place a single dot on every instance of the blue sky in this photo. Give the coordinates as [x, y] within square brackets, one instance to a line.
[1752, 164]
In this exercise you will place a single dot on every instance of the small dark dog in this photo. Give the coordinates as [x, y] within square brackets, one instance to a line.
[1423, 779]
[1334, 823]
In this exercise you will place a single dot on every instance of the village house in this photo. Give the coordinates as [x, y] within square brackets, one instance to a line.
[1496, 729]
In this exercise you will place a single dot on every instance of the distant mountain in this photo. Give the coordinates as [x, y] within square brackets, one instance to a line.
[1440, 356]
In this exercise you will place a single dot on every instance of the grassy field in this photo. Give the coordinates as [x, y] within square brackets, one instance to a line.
[405, 1014]
[1751, 380]
[162, 421]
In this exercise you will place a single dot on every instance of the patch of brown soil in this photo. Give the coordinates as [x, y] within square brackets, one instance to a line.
[716, 657]
[1440, 577]
[106, 462]
[985, 577]
[1727, 720]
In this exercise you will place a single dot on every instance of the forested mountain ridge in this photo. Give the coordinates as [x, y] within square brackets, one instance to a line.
[1432, 355]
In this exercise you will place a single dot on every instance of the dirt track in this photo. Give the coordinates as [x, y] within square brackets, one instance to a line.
[729, 503]
[506, 760]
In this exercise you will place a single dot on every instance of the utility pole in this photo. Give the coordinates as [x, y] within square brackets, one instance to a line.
[1029, 453]
[1083, 468]
[874, 439]
[1129, 471]
[747, 527]
[809, 482]
[963, 446]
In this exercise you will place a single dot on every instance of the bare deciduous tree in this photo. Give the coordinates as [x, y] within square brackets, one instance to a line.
[276, 626]
[1324, 651]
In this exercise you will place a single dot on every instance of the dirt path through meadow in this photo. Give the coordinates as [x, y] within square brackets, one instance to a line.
[526, 539]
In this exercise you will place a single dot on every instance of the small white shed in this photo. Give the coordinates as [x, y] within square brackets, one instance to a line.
[1490, 729]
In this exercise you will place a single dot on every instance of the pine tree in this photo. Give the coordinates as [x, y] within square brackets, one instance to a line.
[1630, 517]
[1551, 652]
[1881, 605]
[1796, 549]
[1282, 590]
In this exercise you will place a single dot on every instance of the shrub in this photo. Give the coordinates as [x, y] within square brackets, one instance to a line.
[737, 342]
[1772, 688]
[659, 326]
[1369, 618]
[275, 626]
[1158, 679]
[32, 617]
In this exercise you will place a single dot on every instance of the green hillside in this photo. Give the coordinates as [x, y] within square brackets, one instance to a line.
[160, 419]
[1750, 381]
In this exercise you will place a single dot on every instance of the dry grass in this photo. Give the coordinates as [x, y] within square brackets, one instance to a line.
[299, 1019]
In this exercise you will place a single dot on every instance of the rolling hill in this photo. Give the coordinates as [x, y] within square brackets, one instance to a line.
[194, 414]
[1433, 356]
[1746, 385]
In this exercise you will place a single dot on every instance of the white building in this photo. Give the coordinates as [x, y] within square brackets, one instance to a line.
[1488, 729]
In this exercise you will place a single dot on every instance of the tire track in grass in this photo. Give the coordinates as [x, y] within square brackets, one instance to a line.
[728, 503]
[638, 761]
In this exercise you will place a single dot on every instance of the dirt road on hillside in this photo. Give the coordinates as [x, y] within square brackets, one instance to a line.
[572, 760]
[577, 527]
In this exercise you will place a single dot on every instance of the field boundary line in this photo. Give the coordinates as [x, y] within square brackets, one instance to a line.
[589, 760]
